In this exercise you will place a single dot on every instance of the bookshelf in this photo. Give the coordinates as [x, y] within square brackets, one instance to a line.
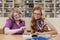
[51, 8]
[57, 8]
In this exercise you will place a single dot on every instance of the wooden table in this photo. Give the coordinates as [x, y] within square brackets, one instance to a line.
[20, 37]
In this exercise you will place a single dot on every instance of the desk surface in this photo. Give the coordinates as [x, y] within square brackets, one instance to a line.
[20, 37]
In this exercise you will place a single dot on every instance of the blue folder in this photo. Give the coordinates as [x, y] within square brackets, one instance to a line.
[39, 38]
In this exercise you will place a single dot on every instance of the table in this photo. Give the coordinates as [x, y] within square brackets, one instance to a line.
[20, 37]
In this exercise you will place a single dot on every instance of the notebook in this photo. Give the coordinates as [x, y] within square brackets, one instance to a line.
[39, 38]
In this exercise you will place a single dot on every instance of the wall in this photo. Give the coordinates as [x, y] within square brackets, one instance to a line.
[54, 21]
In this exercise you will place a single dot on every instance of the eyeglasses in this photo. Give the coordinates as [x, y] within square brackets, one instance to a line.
[37, 13]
